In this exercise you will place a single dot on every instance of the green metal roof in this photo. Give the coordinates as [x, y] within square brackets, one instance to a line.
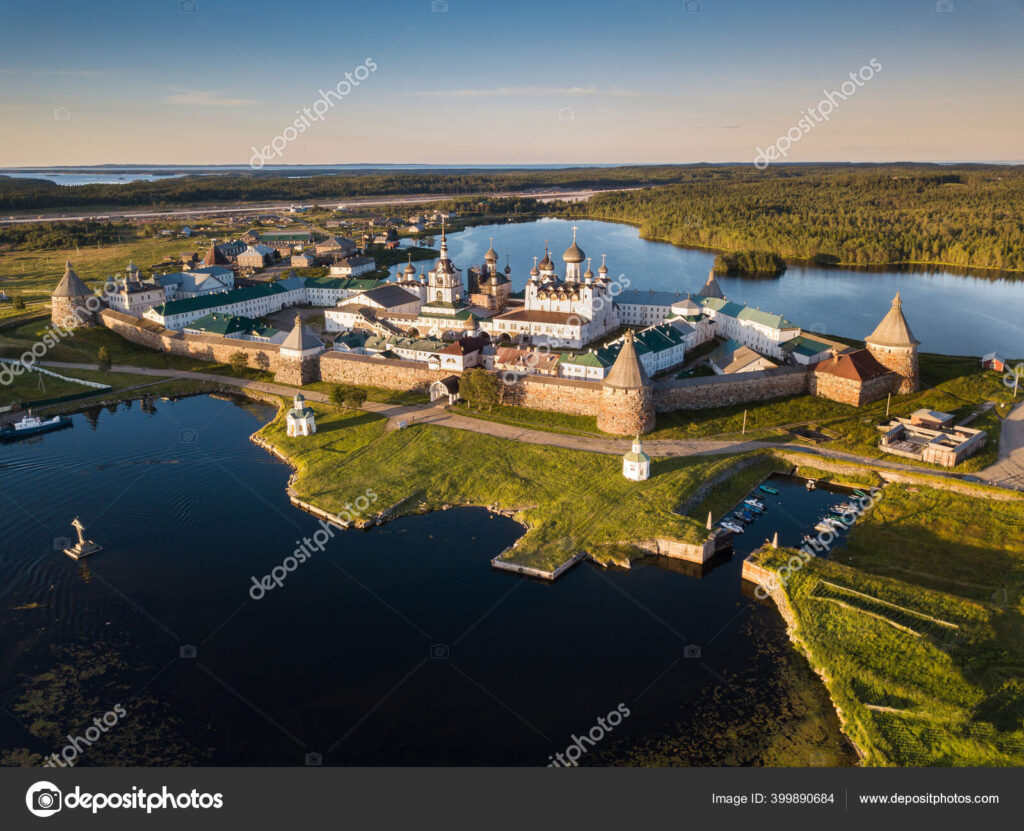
[217, 299]
[803, 345]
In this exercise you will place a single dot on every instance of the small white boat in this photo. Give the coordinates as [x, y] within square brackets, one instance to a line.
[756, 504]
[735, 527]
[824, 528]
[32, 425]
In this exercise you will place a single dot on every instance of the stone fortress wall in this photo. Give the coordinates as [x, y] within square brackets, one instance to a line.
[562, 395]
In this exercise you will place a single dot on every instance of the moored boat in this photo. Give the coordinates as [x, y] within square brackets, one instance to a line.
[769, 489]
[754, 504]
[735, 527]
[32, 425]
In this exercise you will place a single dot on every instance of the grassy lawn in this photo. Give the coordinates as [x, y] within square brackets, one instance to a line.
[382, 395]
[25, 387]
[34, 273]
[954, 385]
[535, 419]
[916, 690]
[569, 500]
[84, 345]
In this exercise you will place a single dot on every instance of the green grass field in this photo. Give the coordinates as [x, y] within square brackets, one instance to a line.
[951, 384]
[917, 626]
[34, 273]
[569, 500]
[26, 387]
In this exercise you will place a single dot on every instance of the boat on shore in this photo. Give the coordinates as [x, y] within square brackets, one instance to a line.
[32, 425]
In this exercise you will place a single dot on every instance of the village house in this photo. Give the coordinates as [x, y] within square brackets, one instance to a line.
[255, 256]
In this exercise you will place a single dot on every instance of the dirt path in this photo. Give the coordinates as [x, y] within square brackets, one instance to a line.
[431, 414]
[1008, 471]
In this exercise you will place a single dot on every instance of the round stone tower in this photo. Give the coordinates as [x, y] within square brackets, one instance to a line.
[72, 304]
[627, 401]
[298, 363]
[895, 347]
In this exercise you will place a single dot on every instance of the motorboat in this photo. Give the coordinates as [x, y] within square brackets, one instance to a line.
[769, 489]
[754, 504]
[32, 425]
[735, 527]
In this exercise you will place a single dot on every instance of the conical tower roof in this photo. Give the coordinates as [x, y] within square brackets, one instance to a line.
[301, 338]
[627, 373]
[71, 284]
[214, 257]
[711, 288]
[893, 330]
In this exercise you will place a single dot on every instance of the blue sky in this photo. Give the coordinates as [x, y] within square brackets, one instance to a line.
[152, 81]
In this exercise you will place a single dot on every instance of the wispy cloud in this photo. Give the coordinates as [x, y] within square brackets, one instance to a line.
[206, 98]
[507, 92]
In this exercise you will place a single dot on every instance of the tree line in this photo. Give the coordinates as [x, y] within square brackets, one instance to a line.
[969, 216]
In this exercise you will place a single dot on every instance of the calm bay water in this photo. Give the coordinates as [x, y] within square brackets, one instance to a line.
[949, 313]
[399, 645]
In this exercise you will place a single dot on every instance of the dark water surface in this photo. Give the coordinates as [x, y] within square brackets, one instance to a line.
[399, 645]
[950, 314]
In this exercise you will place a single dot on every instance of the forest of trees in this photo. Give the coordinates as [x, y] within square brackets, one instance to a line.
[55, 235]
[32, 194]
[757, 263]
[970, 216]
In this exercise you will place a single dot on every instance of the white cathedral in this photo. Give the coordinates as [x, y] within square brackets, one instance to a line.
[567, 312]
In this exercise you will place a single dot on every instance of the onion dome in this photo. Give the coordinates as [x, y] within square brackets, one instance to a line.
[491, 256]
[574, 254]
[603, 269]
[535, 272]
[588, 274]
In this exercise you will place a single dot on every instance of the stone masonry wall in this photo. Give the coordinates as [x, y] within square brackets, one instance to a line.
[848, 390]
[344, 368]
[725, 390]
[201, 347]
[560, 395]
[902, 361]
[626, 412]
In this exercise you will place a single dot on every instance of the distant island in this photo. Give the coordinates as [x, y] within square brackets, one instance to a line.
[749, 264]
